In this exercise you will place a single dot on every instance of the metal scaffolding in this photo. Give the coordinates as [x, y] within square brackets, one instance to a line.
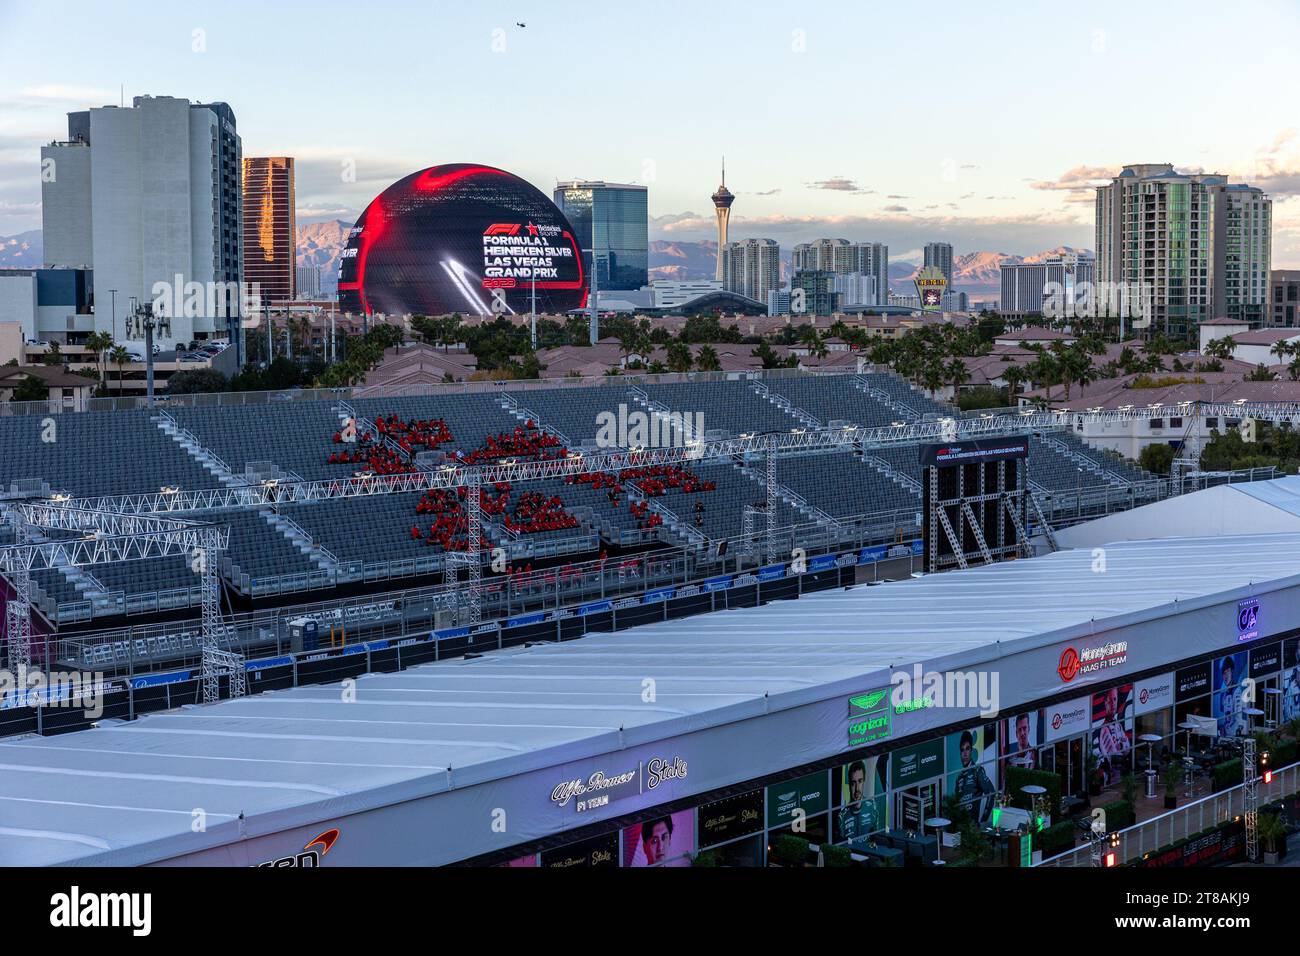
[1250, 797]
[103, 537]
[364, 484]
[770, 499]
[770, 446]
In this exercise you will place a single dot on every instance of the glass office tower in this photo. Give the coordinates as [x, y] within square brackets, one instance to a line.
[612, 219]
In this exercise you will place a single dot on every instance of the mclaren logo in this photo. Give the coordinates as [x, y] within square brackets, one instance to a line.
[311, 854]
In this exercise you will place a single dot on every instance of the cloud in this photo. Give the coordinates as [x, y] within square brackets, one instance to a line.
[1079, 184]
[61, 92]
[767, 192]
[1279, 141]
[338, 183]
[897, 197]
[895, 209]
[327, 212]
[1278, 180]
[666, 222]
[839, 185]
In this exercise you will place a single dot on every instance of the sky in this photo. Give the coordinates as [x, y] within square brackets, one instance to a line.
[979, 124]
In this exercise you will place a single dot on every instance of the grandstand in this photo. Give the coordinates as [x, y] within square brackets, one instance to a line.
[320, 549]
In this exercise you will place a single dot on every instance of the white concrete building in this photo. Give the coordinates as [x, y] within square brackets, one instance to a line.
[672, 293]
[1256, 347]
[856, 288]
[65, 205]
[161, 182]
[1220, 328]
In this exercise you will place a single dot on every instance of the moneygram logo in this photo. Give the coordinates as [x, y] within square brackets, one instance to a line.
[1090, 660]
[1068, 668]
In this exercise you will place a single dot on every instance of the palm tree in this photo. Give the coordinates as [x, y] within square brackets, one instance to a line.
[1045, 372]
[679, 356]
[706, 360]
[932, 376]
[1221, 348]
[1013, 375]
[810, 337]
[1282, 349]
[119, 357]
[99, 343]
[957, 374]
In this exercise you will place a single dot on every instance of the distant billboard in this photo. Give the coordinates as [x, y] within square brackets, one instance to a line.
[931, 284]
[461, 238]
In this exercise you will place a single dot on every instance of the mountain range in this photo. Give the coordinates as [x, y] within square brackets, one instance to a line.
[320, 244]
[23, 251]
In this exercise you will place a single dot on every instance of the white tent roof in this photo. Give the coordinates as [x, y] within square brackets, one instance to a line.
[1257, 507]
[125, 792]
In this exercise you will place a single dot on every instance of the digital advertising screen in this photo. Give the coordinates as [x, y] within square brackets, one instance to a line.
[668, 840]
[461, 238]
[861, 791]
[1112, 732]
[1228, 703]
[972, 765]
[1020, 740]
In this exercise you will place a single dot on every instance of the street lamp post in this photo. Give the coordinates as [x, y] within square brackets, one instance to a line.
[593, 332]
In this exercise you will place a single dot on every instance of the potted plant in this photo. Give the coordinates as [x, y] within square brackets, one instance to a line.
[959, 815]
[706, 858]
[788, 850]
[1173, 774]
[1272, 836]
[836, 856]
[1292, 728]
[975, 846]
[1093, 773]
[1128, 788]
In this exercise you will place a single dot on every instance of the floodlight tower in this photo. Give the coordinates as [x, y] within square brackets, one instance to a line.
[141, 324]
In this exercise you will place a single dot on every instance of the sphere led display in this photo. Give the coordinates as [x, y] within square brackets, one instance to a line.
[461, 238]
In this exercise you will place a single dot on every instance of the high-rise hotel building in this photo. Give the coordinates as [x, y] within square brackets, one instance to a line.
[844, 258]
[612, 220]
[752, 267]
[1198, 247]
[149, 195]
[270, 228]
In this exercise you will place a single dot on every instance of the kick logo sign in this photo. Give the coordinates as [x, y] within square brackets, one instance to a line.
[1248, 619]
[311, 854]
